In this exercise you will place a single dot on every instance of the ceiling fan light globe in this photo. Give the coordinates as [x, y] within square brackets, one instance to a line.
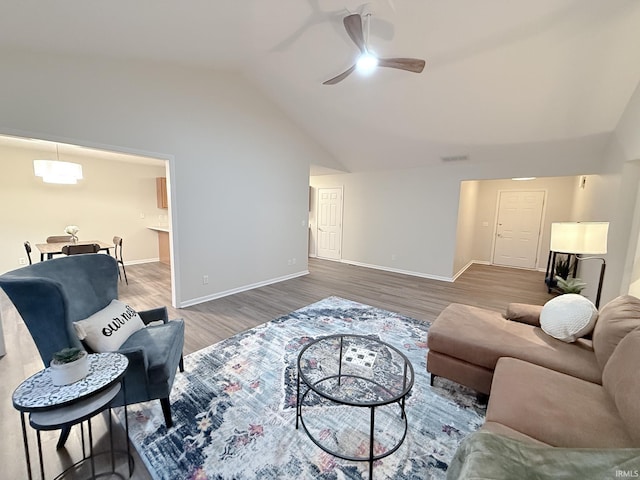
[367, 63]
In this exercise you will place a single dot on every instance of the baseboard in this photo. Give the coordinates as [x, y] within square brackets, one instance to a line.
[397, 270]
[140, 262]
[464, 269]
[244, 288]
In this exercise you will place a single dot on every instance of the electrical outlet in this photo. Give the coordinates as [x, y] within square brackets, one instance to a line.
[293, 261]
[394, 257]
[141, 214]
[22, 261]
[205, 279]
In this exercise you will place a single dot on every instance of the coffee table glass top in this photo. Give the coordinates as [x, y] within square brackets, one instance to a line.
[355, 370]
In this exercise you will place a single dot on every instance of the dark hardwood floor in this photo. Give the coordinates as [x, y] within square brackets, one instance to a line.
[481, 285]
[149, 286]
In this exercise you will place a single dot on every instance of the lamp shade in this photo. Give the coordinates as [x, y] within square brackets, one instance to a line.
[588, 238]
[54, 171]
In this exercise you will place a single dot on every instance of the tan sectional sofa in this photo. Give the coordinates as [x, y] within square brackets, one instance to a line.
[544, 391]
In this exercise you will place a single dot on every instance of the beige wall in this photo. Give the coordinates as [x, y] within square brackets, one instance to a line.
[108, 201]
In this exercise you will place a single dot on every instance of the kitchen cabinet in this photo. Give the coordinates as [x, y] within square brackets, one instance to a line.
[161, 190]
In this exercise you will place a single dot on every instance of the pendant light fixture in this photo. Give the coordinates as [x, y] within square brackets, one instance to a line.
[55, 171]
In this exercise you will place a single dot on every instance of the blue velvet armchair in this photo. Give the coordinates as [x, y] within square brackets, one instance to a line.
[53, 294]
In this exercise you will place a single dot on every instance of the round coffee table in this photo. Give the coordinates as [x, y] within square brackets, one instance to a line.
[353, 390]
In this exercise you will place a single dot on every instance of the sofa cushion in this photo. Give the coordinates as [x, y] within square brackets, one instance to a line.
[524, 313]
[554, 408]
[568, 317]
[621, 380]
[500, 429]
[481, 336]
[160, 347]
[617, 318]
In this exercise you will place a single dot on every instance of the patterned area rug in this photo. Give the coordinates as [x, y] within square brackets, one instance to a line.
[234, 408]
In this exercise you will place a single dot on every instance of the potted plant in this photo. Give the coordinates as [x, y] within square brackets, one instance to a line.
[562, 270]
[563, 267]
[69, 365]
[570, 285]
[73, 231]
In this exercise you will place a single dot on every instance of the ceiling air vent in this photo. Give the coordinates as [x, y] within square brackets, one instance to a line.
[455, 158]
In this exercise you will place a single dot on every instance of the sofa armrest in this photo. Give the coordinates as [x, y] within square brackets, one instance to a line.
[524, 313]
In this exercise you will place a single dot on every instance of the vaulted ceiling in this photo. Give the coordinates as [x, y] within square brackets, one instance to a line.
[500, 73]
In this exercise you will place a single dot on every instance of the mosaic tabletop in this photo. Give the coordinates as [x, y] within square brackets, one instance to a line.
[39, 393]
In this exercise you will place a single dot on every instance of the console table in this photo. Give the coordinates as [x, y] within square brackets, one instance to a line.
[52, 407]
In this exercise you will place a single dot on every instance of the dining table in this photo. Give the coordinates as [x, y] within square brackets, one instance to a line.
[55, 248]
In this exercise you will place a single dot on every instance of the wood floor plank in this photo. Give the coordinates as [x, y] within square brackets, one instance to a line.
[149, 286]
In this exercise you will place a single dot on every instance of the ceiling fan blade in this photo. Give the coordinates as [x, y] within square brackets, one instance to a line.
[342, 76]
[353, 26]
[409, 64]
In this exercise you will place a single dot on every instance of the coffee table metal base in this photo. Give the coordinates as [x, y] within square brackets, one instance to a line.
[347, 387]
[371, 458]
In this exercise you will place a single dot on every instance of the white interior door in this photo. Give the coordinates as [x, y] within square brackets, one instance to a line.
[329, 223]
[518, 228]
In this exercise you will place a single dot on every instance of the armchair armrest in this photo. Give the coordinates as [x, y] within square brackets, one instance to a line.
[154, 315]
[136, 380]
[137, 357]
[524, 313]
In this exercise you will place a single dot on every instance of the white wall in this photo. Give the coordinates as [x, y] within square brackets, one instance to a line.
[409, 214]
[629, 140]
[432, 219]
[631, 278]
[613, 196]
[558, 204]
[238, 167]
[107, 202]
[239, 170]
[467, 222]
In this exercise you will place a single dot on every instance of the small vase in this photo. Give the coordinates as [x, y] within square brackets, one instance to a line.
[68, 373]
[74, 239]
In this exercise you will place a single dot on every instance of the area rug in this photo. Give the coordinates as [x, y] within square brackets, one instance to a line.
[234, 407]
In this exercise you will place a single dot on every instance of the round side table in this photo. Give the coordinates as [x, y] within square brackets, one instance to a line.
[52, 407]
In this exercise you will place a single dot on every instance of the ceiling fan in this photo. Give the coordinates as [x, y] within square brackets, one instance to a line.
[367, 61]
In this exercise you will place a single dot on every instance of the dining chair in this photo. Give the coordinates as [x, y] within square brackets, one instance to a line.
[56, 239]
[27, 247]
[59, 238]
[78, 249]
[117, 252]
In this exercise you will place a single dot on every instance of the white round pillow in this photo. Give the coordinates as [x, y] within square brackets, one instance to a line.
[568, 317]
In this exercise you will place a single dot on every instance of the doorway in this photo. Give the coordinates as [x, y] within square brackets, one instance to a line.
[518, 228]
[329, 223]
